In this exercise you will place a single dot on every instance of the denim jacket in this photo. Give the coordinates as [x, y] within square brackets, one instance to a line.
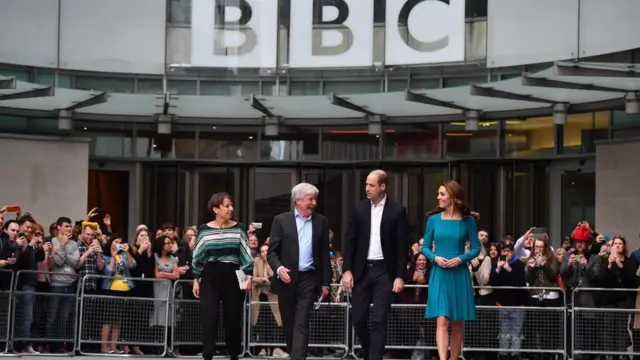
[125, 271]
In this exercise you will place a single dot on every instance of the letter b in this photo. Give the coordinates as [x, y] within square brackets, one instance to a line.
[317, 46]
[222, 26]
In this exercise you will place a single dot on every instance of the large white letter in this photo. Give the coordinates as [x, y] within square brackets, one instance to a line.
[424, 31]
[331, 33]
[234, 33]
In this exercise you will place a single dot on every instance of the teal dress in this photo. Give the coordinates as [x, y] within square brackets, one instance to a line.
[451, 289]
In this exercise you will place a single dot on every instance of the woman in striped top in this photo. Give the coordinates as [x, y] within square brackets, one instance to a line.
[222, 247]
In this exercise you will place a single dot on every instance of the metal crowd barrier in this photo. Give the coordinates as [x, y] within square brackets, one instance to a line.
[602, 322]
[55, 309]
[329, 325]
[186, 327]
[6, 297]
[409, 330]
[605, 322]
[129, 319]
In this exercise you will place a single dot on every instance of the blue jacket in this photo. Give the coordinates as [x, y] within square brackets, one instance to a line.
[106, 283]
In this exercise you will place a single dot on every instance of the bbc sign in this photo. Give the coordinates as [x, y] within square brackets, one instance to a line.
[325, 33]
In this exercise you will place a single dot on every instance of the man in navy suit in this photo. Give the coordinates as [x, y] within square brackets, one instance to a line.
[375, 255]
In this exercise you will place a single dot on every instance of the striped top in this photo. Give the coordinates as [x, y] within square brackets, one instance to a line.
[228, 245]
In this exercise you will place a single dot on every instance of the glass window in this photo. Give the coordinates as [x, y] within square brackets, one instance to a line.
[578, 199]
[149, 86]
[519, 198]
[164, 195]
[476, 8]
[411, 142]
[108, 84]
[464, 81]
[180, 144]
[622, 120]
[352, 87]
[291, 144]
[107, 139]
[182, 87]
[271, 195]
[22, 75]
[270, 88]
[460, 143]
[179, 12]
[582, 130]
[43, 126]
[397, 85]
[13, 124]
[214, 181]
[228, 143]
[421, 194]
[46, 77]
[228, 88]
[349, 143]
[529, 137]
[305, 88]
[425, 83]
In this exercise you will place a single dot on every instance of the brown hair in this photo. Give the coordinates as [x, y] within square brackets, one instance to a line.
[217, 199]
[456, 193]
[548, 253]
[134, 246]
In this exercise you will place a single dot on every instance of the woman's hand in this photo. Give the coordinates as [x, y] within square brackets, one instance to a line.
[455, 262]
[440, 261]
[247, 284]
[196, 289]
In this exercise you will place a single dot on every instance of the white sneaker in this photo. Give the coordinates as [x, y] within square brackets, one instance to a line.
[29, 350]
[277, 352]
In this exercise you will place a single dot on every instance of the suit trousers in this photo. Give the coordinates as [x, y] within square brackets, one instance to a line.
[219, 284]
[374, 287]
[295, 309]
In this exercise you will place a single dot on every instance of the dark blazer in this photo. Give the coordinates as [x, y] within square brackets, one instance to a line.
[394, 238]
[284, 250]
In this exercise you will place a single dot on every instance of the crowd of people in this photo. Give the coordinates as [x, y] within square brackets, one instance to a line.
[521, 288]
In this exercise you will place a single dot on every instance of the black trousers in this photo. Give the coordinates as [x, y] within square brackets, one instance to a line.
[295, 310]
[219, 284]
[375, 287]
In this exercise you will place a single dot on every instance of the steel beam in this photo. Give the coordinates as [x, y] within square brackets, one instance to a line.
[258, 105]
[427, 100]
[529, 80]
[95, 99]
[564, 68]
[344, 103]
[476, 90]
[28, 94]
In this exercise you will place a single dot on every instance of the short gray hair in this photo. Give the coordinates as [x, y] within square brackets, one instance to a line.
[303, 189]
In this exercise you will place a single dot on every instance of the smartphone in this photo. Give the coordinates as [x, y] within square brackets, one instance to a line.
[22, 235]
[13, 208]
[577, 257]
[539, 230]
[503, 257]
[257, 226]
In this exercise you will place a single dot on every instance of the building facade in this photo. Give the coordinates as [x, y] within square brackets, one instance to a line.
[249, 121]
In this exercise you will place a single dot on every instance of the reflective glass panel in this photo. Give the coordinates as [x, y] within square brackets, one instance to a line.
[109, 84]
[291, 144]
[305, 88]
[581, 131]
[149, 86]
[229, 88]
[529, 137]
[272, 195]
[352, 87]
[228, 143]
[349, 143]
[107, 139]
[462, 143]
[182, 87]
[46, 77]
[411, 142]
[180, 144]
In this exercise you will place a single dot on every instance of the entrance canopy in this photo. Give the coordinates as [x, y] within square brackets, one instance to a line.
[567, 87]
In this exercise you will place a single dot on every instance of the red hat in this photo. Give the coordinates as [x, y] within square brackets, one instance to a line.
[581, 233]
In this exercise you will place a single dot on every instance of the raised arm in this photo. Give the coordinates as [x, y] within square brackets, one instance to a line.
[427, 243]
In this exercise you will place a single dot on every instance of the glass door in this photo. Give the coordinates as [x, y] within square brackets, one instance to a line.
[419, 195]
[270, 194]
[209, 181]
[333, 202]
[166, 193]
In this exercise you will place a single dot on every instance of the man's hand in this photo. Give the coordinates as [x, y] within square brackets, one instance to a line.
[347, 281]
[248, 283]
[91, 214]
[22, 242]
[107, 221]
[325, 292]
[283, 274]
[398, 285]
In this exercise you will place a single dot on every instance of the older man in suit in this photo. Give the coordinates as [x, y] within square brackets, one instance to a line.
[299, 253]
[375, 256]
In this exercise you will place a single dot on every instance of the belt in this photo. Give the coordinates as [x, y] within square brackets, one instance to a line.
[375, 262]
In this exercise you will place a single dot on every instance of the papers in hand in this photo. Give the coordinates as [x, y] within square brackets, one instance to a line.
[317, 304]
[242, 279]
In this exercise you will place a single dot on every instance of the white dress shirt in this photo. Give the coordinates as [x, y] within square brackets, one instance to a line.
[375, 245]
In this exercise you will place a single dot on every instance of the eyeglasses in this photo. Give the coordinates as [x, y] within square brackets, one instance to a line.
[38, 234]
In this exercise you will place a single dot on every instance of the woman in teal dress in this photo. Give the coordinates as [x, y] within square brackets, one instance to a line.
[451, 299]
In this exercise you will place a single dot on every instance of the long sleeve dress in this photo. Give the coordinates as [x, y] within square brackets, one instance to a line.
[450, 289]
